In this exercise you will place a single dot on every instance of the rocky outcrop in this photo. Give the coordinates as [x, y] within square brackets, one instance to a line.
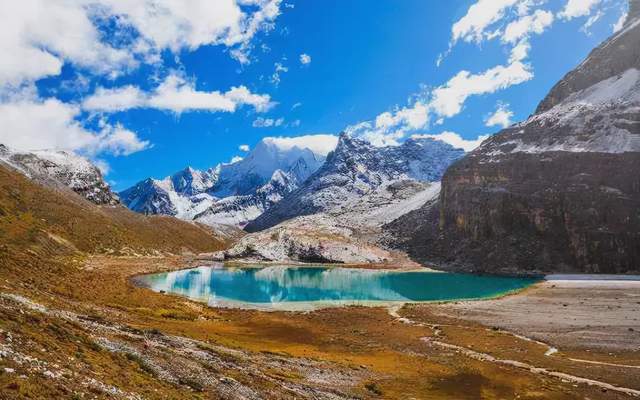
[309, 239]
[62, 169]
[558, 192]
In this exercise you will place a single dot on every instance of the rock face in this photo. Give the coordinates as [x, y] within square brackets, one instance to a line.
[558, 192]
[231, 193]
[61, 168]
[357, 170]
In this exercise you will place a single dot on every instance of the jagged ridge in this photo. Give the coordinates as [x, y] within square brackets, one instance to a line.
[357, 168]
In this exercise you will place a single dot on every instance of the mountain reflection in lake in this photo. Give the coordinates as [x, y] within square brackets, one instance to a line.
[285, 284]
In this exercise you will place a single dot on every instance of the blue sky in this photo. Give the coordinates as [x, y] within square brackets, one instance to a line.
[146, 97]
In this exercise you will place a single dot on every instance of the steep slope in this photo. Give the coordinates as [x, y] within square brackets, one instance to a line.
[356, 169]
[558, 192]
[61, 167]
[231, 193]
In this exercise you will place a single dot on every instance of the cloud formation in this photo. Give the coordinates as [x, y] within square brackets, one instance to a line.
[39, 47]
[502, 117]
[33, 124]
[305, 59]
[175, 94]
[578, 8]
[473, 26]
[107, 39]
[267, 122]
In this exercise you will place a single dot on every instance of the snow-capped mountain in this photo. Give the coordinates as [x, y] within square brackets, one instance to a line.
[182, 194]
[356, 169]
[557, 192]
[62, 168]
[237, 210]
[233, 193]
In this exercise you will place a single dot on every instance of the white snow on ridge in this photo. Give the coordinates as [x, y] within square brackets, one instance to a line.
[594, 120]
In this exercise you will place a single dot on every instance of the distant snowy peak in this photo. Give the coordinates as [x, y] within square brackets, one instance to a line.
[190, 181]
[233, 192]
[269, 155]
[239, 210]
[65, 168]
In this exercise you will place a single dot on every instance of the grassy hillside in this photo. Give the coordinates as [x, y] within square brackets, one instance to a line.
[48, 221]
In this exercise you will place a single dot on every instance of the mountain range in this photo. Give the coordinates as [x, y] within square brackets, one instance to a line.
[278, 180]
[232, 193]
[355, 169]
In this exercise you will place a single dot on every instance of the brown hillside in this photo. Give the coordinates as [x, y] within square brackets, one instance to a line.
[46, 221]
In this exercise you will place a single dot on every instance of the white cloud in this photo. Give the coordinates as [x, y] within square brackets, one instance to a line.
[38, 36]
[320, 144]
[279, 69]
[480, 16]
[592, 20]
[296, 105]
[391, 126]
[118, 99]
[449, 98]
[243, 147]
[577, 8]
[445, 101]
[520, 51]
[620, 22]
[526, 25]
[41, 35]
[31, 124]
[414, 117]
[236, 159]
[175, 94]
[305, 59]
[455, 140]
[501, 117]
[267, 122]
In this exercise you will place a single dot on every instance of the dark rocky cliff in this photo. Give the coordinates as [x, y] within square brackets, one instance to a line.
[558, 192]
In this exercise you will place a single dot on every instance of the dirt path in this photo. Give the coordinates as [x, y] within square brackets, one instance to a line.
[394, 311]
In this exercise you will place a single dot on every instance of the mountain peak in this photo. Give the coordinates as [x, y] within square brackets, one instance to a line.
[62, 168]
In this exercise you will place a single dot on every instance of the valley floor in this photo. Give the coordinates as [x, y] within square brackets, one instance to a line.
[88, 332]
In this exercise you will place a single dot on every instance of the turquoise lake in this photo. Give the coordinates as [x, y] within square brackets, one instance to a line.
[276, 286]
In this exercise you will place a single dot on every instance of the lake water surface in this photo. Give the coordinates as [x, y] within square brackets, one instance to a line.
[292, 287]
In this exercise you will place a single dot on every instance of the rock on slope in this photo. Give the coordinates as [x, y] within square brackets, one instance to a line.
[57, 168]
[231, 193]
[357, 170]
[557, 192]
